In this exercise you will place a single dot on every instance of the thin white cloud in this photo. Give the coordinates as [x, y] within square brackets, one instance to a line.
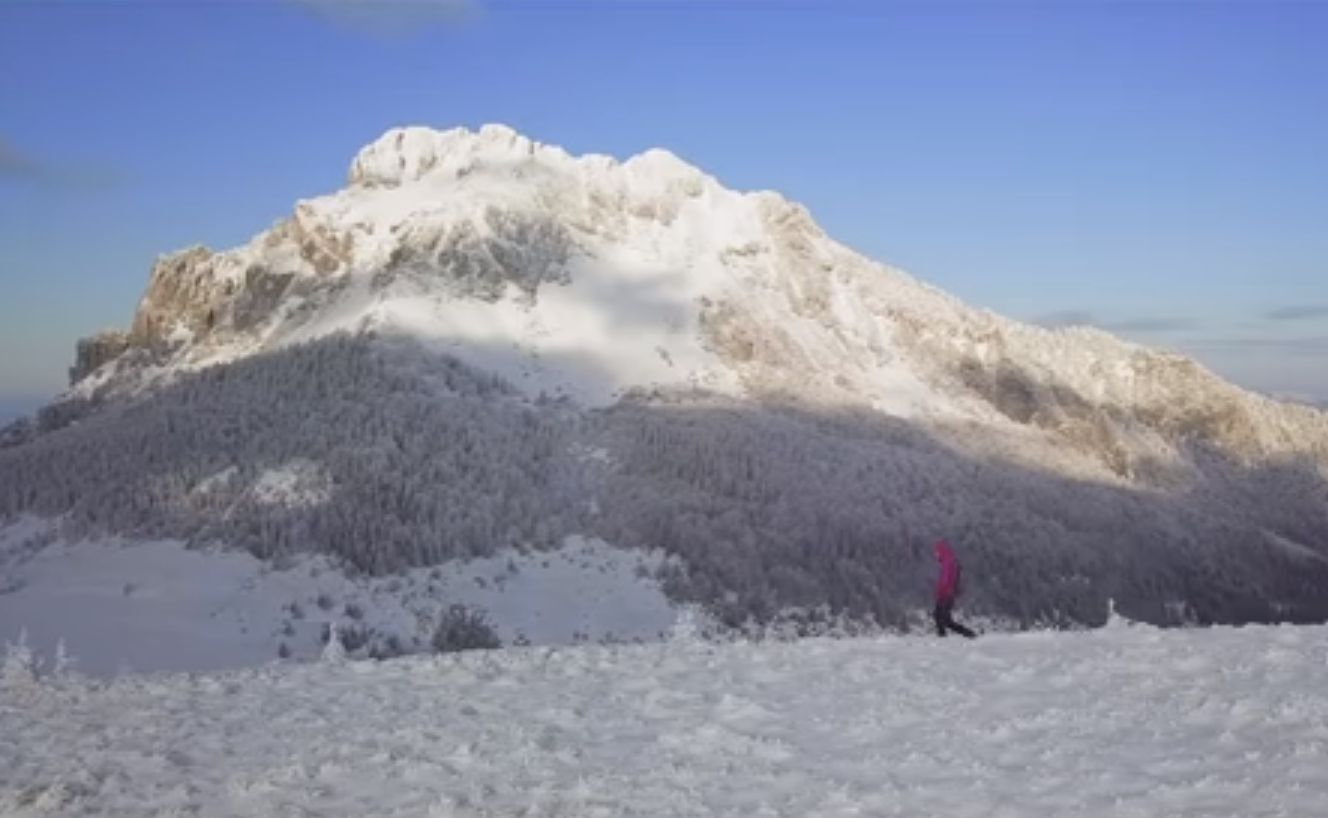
[1149, 325]
[1298, 313]
[1313, 345]
[1066, 318]
[1085, 318]
[391, 18]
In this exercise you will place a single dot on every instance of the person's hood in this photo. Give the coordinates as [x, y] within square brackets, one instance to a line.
[943, 551]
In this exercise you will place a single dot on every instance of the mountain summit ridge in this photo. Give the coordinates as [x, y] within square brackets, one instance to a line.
[590, 277]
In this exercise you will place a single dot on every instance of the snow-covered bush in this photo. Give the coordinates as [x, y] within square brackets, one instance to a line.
[63, 664]
[460, 628]
[20, 666]
[333, 651]
[687, 627]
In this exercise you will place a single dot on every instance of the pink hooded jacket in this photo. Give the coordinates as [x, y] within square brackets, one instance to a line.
[947, 584]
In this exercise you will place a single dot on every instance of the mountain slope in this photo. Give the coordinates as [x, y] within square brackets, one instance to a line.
[483, 342]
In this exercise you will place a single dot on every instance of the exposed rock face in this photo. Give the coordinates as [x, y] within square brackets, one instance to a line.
[92, 353]
[314, 245]
[183, 293]
[204, 298]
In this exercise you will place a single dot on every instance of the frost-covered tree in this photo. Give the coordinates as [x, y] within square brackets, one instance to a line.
[460, 628]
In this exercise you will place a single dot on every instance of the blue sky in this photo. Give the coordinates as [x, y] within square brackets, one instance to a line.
[1158, 169]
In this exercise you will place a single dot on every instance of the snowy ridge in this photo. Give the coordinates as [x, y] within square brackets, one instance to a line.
[1119, 722]
[406, 154]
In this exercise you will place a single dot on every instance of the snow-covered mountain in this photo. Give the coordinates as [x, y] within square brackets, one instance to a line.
[592, 278]
[482, 342]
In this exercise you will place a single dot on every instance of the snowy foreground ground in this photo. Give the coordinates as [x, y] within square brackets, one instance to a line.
[1126, 721]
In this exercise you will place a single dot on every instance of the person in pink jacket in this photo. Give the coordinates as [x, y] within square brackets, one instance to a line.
[947, 591]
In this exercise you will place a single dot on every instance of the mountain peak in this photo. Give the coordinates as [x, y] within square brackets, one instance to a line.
[595, 278]
[405, 154]
[408, 154]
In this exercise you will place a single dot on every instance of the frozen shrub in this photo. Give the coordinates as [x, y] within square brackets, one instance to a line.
[354, 637]
[20, 666]
[461, 628]
[333, 651]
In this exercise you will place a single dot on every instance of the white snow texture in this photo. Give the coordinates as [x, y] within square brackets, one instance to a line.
[151, 606]
[1124, 721]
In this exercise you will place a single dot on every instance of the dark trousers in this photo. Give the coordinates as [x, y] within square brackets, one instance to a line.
[944, 621]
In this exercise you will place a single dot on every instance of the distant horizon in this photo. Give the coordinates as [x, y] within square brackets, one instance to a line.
[1150, 169]
[14, 408]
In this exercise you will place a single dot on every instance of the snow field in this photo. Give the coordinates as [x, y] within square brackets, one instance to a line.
[151, 606]
[1125, 721]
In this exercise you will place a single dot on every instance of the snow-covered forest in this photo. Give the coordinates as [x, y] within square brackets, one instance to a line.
[388, 456]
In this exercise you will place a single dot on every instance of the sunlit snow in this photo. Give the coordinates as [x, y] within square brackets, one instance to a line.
[1125, 721]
